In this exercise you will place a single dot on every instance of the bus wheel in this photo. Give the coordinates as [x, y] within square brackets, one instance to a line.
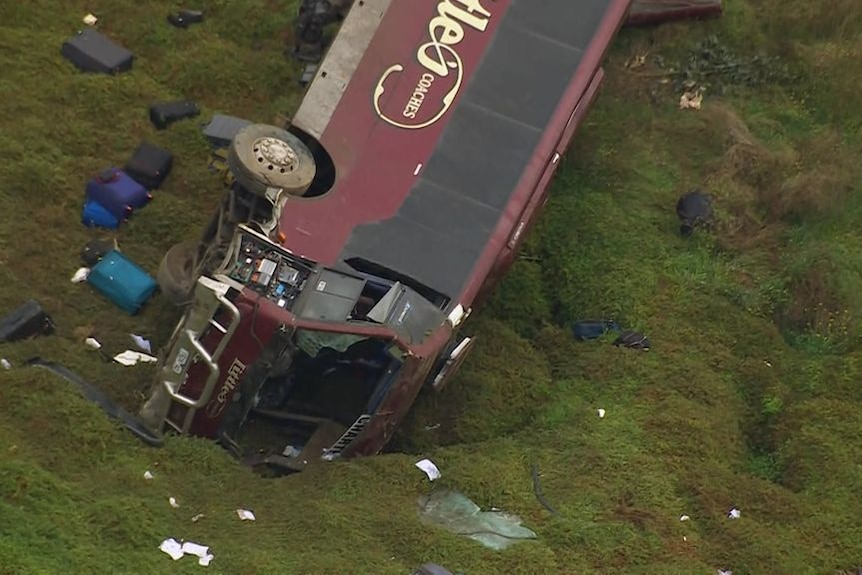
[263, 157]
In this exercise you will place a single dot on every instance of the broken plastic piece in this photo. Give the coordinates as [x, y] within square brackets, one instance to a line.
[245, 515]
[147, 474]
[5, 363]
[185, 18]
[90, 20]
[457, 513]
[684, 517]
[172, 548]
[173, 502]
[734, 513]
[198, 517]
[601, 413]
[130, 358]
[80, 275]
[429, 468]
[92, 343]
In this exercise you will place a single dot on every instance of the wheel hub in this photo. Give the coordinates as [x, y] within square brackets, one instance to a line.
[275, 154]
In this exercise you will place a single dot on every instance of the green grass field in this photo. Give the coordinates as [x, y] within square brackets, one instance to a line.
[750, 396]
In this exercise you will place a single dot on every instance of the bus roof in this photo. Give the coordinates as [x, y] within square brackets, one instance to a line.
[441, 117]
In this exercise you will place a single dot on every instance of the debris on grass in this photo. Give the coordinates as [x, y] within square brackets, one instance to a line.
[147, 474]
[5, 363]
[429, 468]
[455, 512]
[245, 515]
[173, 502]
[130, 358]
[90, 19]
[27, 321]
[142, 342]
[80, 275]
[684, 518]
[724, 572]
[198, 517]
[734, 513]
[691, 100]
[633, 340]
[177, 551]
[601, 413]
[172, 548]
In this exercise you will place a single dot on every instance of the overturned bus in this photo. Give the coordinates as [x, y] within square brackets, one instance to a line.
[332, 281]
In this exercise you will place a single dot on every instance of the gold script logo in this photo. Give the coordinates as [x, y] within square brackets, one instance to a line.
[219, 402]
[441, 62]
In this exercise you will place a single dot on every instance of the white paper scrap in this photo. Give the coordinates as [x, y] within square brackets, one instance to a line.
[195, 549]
[147, 474]
[129, 358]
[684, 517]
[142, 342]
[92, 343]
[173, 503]
[245, 515]
[734, 513]
[429, 468]
[80, 275]
[601, 413]
[172, 548]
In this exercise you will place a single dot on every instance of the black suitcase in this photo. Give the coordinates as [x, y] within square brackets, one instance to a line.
[29, 320]
[164, 114]
[150, 165]
[91, 51]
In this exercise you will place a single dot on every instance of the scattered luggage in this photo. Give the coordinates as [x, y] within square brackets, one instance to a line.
[117, 193]
[150, 165]
[633, 340]
[91, 51]
[96, 249]
[29, 320]
[163, 114]
[220, 131]
[122, 281]
[95, 216]
[593, 329]
[185, 18]
[694, 210]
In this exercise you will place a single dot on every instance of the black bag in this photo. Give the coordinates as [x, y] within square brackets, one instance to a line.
[164, 114]
[94, 250]
[29, 320]
[633, 340]
[150, 165]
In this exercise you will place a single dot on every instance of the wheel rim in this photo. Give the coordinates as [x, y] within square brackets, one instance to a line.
[275, 154]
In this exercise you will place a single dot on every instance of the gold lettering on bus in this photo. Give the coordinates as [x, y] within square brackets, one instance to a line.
[440, 60]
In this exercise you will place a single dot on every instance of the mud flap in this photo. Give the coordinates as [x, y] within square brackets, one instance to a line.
[96, 395]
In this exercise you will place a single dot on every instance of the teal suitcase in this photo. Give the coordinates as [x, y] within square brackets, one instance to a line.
[122, 281]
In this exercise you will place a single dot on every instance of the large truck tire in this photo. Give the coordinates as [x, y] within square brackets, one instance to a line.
[176, 275]
[262, 157]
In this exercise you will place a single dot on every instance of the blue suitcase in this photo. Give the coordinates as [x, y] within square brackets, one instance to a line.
[118, 193]
[94, 215]
[122, 281]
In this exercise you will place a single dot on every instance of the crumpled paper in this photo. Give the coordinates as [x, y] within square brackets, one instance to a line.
[176, 551]
[429, 468]
[129, 358]
[245, 515]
